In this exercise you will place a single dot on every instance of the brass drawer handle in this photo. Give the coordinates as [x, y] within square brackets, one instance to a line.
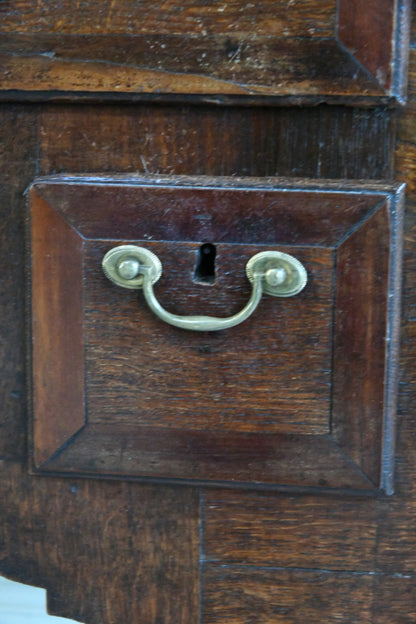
[271, 272]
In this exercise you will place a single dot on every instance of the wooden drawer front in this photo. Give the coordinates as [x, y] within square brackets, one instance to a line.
[309, 50]
[300, 394]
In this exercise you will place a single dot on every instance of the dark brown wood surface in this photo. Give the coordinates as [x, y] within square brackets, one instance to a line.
[368, 32]
[207, 140]
[303, 18]
[222, 50]
[116, 552]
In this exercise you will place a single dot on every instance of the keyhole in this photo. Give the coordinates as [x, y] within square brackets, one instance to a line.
[205, 266]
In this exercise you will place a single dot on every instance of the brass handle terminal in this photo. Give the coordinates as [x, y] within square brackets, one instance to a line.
[272, 272]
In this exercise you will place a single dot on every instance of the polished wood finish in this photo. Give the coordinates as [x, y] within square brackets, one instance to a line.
[111, 552]
[206, 52]
[256, 403]
[57, 330]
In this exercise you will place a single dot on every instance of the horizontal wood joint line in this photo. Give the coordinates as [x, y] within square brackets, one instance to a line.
[212, 563]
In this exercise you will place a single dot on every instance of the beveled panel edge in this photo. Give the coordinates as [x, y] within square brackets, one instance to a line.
[394, 204]
[90, 227]
[42, 313]
[378, 39]
[360, 325]
[184, 448]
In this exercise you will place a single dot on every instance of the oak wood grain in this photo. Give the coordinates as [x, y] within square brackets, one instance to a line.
[90, 546]
[329, 533]
[203, 140]
[278, 596]
[225, 377]
[394, 599]
[310, 18]
[201, 68]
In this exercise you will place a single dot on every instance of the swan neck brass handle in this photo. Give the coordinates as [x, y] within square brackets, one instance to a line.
[272, 272]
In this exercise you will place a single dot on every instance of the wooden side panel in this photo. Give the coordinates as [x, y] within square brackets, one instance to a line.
[57, 326]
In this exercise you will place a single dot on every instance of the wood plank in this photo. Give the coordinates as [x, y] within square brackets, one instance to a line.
[217, 141]
[396, 552]
[239, 595]
[18, 166]
[106, 552]
[305, 18]
[296, 531]
[203, 68]
[207, 50]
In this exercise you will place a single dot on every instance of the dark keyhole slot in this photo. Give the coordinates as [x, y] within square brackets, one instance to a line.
[205, 266]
